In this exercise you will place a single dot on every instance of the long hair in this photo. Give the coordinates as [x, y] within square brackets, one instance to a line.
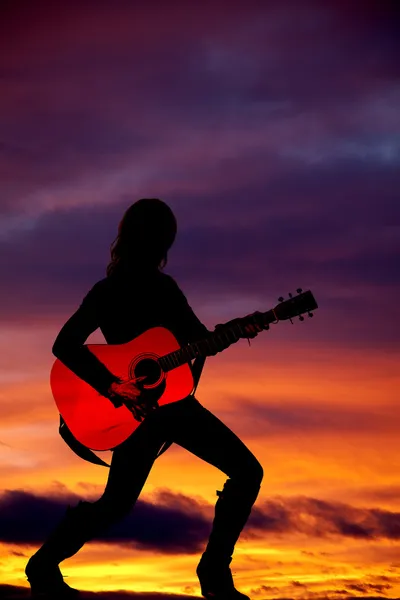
[146, 232]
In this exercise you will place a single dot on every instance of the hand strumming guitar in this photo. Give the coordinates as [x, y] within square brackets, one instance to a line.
[129, 394]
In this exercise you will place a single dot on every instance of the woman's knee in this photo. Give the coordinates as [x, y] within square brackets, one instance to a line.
[258, 471]
[250, 474]
[254, 472]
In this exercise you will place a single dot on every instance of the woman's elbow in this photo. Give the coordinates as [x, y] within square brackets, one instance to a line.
[56, 349]
[64, 347]
[61, 346]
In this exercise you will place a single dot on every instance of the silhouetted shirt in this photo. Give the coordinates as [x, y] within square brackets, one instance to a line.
[123, 306]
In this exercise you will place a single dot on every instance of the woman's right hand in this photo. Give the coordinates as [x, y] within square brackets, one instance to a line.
[127, 393]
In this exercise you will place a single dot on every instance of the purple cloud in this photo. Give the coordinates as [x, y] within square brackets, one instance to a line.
[272, 133]
[178, 524]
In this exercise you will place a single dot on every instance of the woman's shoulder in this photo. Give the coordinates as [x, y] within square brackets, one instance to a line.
[166, 278]
[112, 283]
[100, 286]
[169, 282]
[95, 292]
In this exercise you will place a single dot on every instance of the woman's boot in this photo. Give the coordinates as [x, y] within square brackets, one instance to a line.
[232, 510]
[79, 525]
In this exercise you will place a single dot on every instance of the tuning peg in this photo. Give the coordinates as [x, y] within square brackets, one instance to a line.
[310, 314]
[281, 299]
[301, 318]
[299, 290]
[290, 295]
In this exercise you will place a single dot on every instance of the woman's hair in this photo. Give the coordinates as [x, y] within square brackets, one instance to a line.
[145, 233]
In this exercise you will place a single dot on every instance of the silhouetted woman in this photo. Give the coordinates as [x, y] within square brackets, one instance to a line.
[135, 296]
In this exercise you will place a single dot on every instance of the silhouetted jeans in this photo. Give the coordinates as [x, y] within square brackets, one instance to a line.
[191, 426]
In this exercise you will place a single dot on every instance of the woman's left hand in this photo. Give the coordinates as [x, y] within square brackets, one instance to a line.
[249, 330]
[252, 330]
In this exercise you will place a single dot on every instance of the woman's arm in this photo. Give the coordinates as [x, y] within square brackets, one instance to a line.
[69, 346]
[187, 324]
[192, 328]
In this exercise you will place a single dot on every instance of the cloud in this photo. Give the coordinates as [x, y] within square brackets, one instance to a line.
[282, 416]
[252, 247]
[10, 592]
[369, 587]
[320, 518]
[273, 134]
[176, 524]
[131, 93]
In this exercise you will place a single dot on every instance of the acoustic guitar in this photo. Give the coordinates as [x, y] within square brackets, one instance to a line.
[157, 356]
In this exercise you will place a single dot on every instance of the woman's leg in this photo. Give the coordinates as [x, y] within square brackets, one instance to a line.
[203, 434]
[196, 429]
[130, 466]
[192, 426]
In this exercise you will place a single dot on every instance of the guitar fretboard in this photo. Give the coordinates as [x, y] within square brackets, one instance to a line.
[212, 344]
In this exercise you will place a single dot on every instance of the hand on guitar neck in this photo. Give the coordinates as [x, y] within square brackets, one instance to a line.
[249, 330]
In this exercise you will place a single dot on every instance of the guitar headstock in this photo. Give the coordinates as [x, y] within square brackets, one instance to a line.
[295, 306]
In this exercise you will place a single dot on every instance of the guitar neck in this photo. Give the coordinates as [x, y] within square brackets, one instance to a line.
[208, 346]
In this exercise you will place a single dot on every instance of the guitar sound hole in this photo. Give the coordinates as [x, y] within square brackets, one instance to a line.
[150, 369]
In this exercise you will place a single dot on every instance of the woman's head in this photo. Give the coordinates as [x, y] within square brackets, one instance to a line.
[145, 233]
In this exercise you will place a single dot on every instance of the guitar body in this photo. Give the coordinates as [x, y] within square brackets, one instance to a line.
[92, 418]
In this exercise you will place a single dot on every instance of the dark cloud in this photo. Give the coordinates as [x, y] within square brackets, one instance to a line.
[175, 525]
[178, 524]
[48, 268]
[364, 588]
[10, 592]
[273, 133]
[84, 91]
[304, 592]
[320, 518]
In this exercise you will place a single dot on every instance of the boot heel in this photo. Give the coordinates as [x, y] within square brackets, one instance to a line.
[42, 571]
[46, 580]
[216, 582]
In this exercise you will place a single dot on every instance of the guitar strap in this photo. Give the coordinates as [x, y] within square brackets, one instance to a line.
[77, 447]
[86, 454]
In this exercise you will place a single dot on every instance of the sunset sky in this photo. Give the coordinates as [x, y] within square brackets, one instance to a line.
[272, 129]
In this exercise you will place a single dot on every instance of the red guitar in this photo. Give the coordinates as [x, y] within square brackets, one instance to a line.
[156, 355]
